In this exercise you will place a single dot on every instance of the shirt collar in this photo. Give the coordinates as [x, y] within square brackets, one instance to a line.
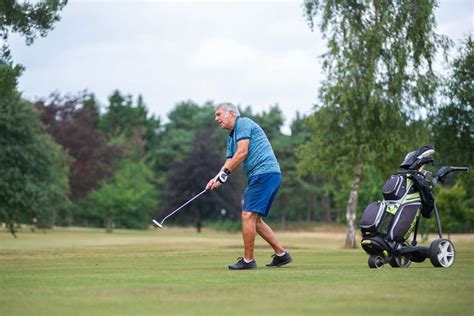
[233, 129]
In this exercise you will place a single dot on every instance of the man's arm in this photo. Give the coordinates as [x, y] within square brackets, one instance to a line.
[239, 156]
[232, 163]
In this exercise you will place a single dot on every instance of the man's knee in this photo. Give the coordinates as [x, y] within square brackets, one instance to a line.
[250, 216]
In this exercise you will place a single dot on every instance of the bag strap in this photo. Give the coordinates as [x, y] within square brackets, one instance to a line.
[414, 242]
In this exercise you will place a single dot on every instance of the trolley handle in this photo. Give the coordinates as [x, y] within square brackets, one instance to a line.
[460, 168]
[444, 171]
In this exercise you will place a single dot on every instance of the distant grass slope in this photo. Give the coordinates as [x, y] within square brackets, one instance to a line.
[179, 272]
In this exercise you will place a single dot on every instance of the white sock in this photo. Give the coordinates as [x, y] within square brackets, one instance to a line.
[248, 260]
[281, 254]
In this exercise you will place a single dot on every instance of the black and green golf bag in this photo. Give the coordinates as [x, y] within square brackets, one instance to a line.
[406, 195]
[387, 225]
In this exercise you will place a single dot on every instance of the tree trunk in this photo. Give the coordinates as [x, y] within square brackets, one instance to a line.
[352, 205]
[326, 203]
[310, 210]
[198, 222]
[108, 227]
[11, 226]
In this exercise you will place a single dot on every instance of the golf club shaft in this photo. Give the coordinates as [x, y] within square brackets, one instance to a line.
[170, 214]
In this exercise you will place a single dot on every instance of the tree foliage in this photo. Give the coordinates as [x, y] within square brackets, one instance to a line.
[126, 199]
[71, 121]
[452, 122]
[378, 67]
[452, 129]
[28, 20]
[34, 169]
[130, 124]
[186, 120]
[456, 211]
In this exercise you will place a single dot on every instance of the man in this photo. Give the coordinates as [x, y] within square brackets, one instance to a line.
[248, 144]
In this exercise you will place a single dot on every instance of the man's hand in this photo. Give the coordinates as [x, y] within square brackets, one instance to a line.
[213, 184]
[220, 178]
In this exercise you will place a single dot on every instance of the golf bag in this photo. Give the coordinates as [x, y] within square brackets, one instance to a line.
[387, 225]
[395, 216]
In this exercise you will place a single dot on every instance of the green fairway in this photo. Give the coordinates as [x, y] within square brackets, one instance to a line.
[180, 272]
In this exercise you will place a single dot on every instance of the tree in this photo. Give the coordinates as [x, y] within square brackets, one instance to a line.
[130, 125]
[71, 121]
[127, 198]
[28, 20]
[452, 124]
[185, 121]
[34, 168]
[379, 73]
[456, 214]
[452, 121]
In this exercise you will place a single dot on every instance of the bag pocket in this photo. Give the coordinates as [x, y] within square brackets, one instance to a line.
[395, 187]
[387, 218]
[372, 217]
[404, 222]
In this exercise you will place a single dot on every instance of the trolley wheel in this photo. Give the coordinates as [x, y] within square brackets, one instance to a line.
[400, 261]
[376, 262]
[442, 253]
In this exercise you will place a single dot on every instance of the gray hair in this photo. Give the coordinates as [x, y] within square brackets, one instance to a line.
[228, 107]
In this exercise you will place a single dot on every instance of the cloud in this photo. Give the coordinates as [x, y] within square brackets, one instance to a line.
[222, 54]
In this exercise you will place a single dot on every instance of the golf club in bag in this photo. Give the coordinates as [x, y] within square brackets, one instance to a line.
[158, 224]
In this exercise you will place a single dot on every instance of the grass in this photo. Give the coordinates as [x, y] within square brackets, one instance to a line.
[179, 272]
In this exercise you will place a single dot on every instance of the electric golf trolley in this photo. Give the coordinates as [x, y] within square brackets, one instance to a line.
[387, 225]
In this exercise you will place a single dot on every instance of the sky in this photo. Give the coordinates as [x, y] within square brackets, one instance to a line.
[257, 53]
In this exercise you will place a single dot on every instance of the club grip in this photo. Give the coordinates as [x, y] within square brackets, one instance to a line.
[460, 168]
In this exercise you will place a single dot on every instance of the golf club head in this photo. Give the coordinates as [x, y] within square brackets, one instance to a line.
[158, 225]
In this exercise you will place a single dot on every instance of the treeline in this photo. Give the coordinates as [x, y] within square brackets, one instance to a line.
[118, 165]
[70, 161]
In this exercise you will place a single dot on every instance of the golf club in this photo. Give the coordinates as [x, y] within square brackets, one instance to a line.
[160, 224]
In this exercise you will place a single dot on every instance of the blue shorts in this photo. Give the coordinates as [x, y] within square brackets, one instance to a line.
[260, 192]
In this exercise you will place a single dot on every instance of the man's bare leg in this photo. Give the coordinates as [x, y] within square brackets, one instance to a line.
[249, 229]
[268, 235]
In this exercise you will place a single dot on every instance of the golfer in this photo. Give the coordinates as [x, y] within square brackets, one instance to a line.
[248, 144]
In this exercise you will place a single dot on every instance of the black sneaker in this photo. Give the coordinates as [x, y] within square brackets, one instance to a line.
[242, 265]
[280, 261]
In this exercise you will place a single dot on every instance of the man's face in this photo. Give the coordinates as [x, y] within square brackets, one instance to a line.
[224, 119]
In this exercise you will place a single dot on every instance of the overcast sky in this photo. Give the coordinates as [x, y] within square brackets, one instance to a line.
[256, 53]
